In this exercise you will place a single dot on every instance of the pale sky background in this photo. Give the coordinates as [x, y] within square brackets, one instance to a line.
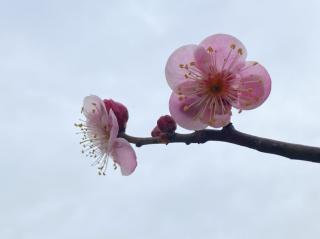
[53, 53]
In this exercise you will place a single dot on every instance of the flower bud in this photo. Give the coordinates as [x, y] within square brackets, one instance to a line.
[156, 132]
[120, 112]
[167, 124]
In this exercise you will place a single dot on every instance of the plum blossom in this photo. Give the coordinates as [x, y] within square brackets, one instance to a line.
[210, 78]
[100, 142]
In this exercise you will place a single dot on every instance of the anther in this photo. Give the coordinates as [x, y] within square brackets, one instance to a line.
[210, 49]
[181, 97]
[212, 121]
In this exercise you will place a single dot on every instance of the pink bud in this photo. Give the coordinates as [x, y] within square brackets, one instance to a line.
[156, 132]
[120, 112]
[164, 137]
[167, 124]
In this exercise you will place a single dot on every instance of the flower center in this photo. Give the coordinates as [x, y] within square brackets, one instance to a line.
[216, 88]
[216, 85]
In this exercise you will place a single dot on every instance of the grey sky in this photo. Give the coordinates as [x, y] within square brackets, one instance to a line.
[53, 53]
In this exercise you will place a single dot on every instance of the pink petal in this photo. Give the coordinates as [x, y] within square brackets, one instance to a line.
[218, 120]
[188, 88]
[174, 73]
[229, 53]
[93, 107]
[184, 118]
[97, 120]
[113, 126]
[256, 86]
[217, 116]
[124, 155]
[203, 59]
[96, 114]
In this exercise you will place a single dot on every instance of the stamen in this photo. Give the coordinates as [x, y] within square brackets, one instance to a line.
[208, 100]
[94, 141]
[212, 109]
[256, 80]
[193, 69]
[233, 46]
[201, 111]
[181, 97]
[196, 103]
[232, 63]
[249, 66]
[190, 90]
[226, 59]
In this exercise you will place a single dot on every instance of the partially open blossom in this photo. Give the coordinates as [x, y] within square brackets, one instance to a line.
[167, 124]
[120, 112]
[210, 78]
[100, 142]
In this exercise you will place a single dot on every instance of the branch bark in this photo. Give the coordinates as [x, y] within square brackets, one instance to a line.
[231, 135]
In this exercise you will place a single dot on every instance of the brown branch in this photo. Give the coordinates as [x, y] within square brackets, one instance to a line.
[231, 135]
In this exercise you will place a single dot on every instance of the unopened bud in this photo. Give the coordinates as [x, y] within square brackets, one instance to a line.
[120, 112]
[156, 132]
[167, 124]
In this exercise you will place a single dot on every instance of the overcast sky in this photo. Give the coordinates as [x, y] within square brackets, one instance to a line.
[54, 53]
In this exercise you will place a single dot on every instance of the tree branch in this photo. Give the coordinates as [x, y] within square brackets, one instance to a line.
[231, 135]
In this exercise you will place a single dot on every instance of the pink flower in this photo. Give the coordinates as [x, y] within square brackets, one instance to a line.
[100, 142]
[210, 78]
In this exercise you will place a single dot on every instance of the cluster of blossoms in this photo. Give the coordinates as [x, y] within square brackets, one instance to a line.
[104, 120]
[210, 78]
[207, 81]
